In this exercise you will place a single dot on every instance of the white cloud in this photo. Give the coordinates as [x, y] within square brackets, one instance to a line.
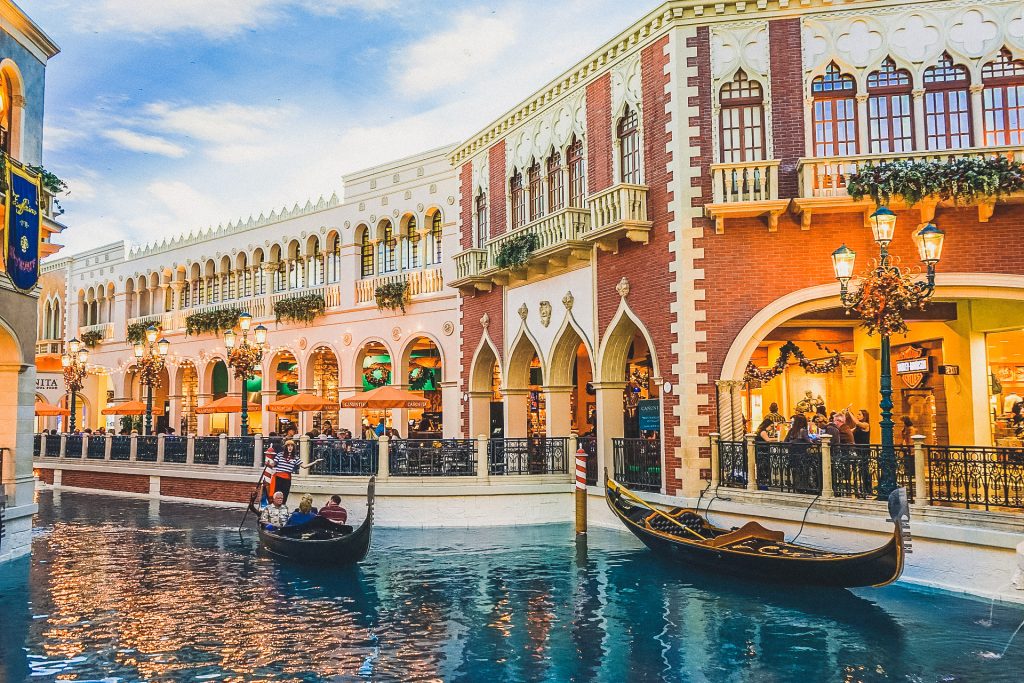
[147, 144]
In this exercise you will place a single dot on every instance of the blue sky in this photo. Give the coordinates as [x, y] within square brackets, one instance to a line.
[167, 116]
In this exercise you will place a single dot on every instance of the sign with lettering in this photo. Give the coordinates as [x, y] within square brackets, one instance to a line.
[46, 384]
[22, 228]
[913, 365]
[905, 367]
[949, 369]
[649, 414]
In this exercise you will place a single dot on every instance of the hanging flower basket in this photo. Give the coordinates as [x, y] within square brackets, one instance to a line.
[92, 338]
[137, 331]
[300, 309]
[964, 180]
[515, 251]
[212, 321]
[392, 296]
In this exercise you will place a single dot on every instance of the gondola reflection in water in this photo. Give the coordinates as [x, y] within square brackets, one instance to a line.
[754, 552]
[321, 541]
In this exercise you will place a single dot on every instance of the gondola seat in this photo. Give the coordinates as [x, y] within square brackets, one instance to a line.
[750, 530]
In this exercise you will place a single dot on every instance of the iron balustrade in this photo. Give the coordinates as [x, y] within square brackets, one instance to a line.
[52, 446]
[856, 470]
[589, 446]
[790, 467]
[73, 446]
[732, 464]
[97, 448]
[175, 449]
[976, 476]
[432, 458]
[530, 455]
[241, 451]
[638, 464]
[345, 457]
[120, 447]
[37, 445]
[206, 450]
[145, 447]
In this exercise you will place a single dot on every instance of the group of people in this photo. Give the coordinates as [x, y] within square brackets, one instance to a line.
[277, 514]
[843, 426]
[276, 484]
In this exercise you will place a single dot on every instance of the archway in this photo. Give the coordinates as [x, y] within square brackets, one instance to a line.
[570, 389]
[486, 410]
[322, 368]
[16, 384]
[187, 390]
[282, 381]
[422, 372]
[373, 368]
[525, 403]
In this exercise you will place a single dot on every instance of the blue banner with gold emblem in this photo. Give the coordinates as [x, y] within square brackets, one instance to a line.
[21, 243]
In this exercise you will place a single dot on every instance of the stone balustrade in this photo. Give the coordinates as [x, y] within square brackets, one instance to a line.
[748, 181]
[429, 281]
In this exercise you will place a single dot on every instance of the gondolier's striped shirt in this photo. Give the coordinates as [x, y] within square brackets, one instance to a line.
[285, 465]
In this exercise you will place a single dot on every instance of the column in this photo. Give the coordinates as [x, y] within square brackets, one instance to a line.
[450, 407]
[920, 143]
[347, 417]
[725, 421]
[863, 143]
[517, 409]
[203, 421]
[610, 425]
[559, 415]
[977, 115]
[269, 418]
[479, 413]
[176, 287]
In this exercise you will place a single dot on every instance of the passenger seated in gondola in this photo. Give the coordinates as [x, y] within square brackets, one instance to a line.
[333, 511]
[276, 514]
[305, 513]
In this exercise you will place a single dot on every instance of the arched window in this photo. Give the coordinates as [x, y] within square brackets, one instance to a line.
[365, 255]
[742, 120]
[629, 147]
[577, 173]
[481, 220]
[947, 109]
[890, 112]
[436, 236]
[835, 113]
[411, 253]
[556, 184]
[518, 200]
[6, 113]
[1003, 100]
[536, 191]
[333, 258]
[314, 266]
[388, 246]
[186, 294]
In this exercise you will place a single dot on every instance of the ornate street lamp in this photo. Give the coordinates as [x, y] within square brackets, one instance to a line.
[74, 363]
[245, 357]
[880, 299]
[150, 356]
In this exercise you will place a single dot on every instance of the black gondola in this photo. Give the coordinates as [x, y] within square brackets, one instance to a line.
[322, 541]
[755, 552]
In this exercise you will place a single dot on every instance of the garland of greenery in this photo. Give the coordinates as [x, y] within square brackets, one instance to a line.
[964, 180]
[418, 378]
[377, 375]
[212, 321]
[137, 331]
[300, 309]
[515, 251]
[883, 297]
[92, 337]
[392, 295]
[790, 349]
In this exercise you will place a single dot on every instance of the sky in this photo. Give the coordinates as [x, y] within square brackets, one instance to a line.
[167, 117]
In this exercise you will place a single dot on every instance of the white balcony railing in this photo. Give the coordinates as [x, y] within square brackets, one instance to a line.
[557, 229]
[49, 346]
[470, 263]
[748, 181]
[428, 281]
[106, 330]
[619, 212]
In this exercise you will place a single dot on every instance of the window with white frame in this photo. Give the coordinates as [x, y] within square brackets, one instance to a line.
[741, 120]
[947, 105]
[577, 173]
[834, 113]
[890, 110]
[1003, 100]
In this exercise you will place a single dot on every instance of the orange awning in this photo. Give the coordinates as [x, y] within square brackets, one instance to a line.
[48, 362]
[301, 403]
[383, 398]
[50, 410]
[227, 404]
[131, 408]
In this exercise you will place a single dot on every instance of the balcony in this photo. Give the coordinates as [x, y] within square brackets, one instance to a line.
[560, 244]
[620, 212]
[417, 281]
[823, 182]
[105, 330]
[45, 346]
[745, 190]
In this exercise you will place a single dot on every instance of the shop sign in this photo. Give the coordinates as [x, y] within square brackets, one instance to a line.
[912, 365]
[649, 414]
[949, 370]
[46, 384]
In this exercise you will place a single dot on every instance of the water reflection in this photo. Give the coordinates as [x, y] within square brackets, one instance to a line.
[121, 590]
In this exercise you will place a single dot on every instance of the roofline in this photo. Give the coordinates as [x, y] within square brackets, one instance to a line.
[10, 11]
[442, 151]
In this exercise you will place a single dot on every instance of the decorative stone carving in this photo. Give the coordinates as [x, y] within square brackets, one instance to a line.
[396, 333]
[450, 200]
[736, 46]
[302, 343]
[523, 311]
[448, 328]
[419, 207]
[544, 308]
[625, 85]
[552, 129]
[346, 339]
[348, 224]
[362, 206]
[395, 213]
[568, 300]
[623, 287]
[485, 321]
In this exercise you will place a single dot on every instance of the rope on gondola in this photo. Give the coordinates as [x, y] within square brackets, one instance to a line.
[628, 494]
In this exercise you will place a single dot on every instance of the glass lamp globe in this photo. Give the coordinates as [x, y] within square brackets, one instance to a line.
[929, 243]
[151, 334]
[843, 260]
[229, 339]
[244, 321]
[261, 334]
[162, 346]
[73, 346]
[883, 225]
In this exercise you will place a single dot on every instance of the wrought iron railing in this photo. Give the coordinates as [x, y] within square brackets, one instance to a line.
[206, 450]
[975, 476]
[344, 457]
[638, 463]
[531, 455]
[856, 470]
[432, 458]
[145, 447]
[120, 447]
[52, 446]
[789, 467]
[589, 446]
[175, 449]
[37, 445]
[241, 451]
[73, 446]
[732, 464]
[97, 448]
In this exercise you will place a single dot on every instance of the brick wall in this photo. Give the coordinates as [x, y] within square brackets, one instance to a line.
[205, 489]
[473, 308]
[496, 169]
[787, 100]
[468, 201]
[106, 481]
[599, 134]
[45, 475]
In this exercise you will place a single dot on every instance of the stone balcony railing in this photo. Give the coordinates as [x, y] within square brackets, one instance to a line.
[746, 181]
[430, 281]
[106, 331]
[619, 212]
[44, 346]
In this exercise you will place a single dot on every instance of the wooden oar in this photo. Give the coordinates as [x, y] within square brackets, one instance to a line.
[628, 494]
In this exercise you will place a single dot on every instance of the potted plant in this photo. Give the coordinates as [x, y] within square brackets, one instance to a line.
[91, 338]
[304, 309]
[392, 295]
[212, 321]
[515, 251]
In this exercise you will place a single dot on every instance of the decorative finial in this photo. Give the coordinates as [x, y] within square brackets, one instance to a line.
[523, 311]
[623, 287]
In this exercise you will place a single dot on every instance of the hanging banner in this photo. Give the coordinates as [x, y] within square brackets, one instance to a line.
[22, 228]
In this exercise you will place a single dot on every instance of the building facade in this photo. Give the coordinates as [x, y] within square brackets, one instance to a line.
[24, 53]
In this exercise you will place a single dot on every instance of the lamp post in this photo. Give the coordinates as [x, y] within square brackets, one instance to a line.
[74, 364]
[245, 357]
[880, 300]
[150, 356]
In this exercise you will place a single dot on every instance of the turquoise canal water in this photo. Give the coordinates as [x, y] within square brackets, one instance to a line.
[127, 590]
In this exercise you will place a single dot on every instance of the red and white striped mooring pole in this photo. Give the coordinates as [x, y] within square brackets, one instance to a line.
[581, 491]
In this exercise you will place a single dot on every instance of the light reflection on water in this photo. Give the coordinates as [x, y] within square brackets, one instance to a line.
[123, 590]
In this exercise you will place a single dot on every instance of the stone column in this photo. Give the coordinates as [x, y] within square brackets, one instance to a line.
[517, 412]
[725, 421]
[920, 470]
[751, 462]
[559, 416]
[608, 397]
[977, 115]
[716, 461]
[450, 408]
[479, 413]
[863, 143]
[920, 143]
[267, 396]
[826, 466]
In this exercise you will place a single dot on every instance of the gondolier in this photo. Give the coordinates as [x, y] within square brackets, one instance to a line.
[286, 463]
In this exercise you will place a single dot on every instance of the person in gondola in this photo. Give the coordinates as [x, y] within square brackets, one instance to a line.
[285, 465]
[276, 514]
[305, 513]
[333, 510]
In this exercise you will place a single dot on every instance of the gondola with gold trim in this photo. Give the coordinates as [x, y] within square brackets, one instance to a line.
[756, 552]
